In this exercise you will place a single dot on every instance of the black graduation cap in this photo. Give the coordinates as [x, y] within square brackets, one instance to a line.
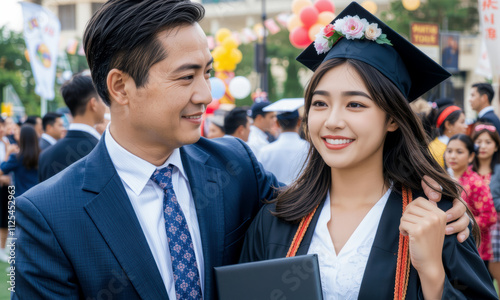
[412, 71]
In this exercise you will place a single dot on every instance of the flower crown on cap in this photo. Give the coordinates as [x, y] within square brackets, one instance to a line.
[351, 28]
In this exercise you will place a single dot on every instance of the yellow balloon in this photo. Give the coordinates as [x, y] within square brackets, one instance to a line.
[293, 22]
[217, 66]
[230, 67]
[411, 4]
[370, 6]
[298, 5]
[314, 30]
[236, 56]
[229, 43]
[325, 18]
[218, 52]
[222, 34]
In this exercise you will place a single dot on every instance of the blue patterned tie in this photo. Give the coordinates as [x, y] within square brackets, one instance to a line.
[185, 268]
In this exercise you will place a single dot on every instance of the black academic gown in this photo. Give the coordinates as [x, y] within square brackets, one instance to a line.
[466, 276]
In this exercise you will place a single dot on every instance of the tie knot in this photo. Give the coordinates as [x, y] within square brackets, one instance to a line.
[163, 177]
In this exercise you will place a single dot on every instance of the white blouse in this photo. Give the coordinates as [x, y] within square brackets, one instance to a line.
[341, 275]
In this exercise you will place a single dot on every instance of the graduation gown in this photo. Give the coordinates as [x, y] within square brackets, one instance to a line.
[466, 275]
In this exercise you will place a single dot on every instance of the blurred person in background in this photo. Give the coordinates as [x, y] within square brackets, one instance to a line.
[5, 181]
[88, 110]
[263, 123]
[22, 160]
[36, 121]
[448, 121]
[53, 127]
[480, 100]
[237, 124]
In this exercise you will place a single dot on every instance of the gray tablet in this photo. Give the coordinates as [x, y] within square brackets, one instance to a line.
[293, 278]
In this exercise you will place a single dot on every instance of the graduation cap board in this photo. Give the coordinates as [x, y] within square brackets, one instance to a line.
[286, 108]
[413, 72]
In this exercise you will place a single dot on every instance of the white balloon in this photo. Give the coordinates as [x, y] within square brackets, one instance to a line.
[240, 87]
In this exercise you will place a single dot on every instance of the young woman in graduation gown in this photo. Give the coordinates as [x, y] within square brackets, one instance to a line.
[359, 203]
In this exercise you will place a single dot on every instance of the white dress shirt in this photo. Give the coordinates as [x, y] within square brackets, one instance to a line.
[484, 111]
[341, 274]
[285, 157]
[147, 200]
[85, 128]
[257, 139]
[49, 138]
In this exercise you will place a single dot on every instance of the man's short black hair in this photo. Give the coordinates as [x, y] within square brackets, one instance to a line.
[288, 121]
[77, 92]
[234, 119]
[49, 119]
[122, 34]
[32, 120]
[485, 89]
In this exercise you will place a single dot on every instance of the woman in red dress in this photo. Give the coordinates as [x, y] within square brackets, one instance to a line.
[459, 154]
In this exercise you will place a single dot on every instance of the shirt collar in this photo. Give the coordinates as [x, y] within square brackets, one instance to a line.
[49, 138]
[133, 170]
[444, 139]
[289, 136]
[85, 128]
[259, 132]
[484, 111]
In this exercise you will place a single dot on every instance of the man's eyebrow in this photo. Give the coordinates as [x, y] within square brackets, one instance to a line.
[189, 66]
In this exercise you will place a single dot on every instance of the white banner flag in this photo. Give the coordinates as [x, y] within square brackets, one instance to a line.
[41, 33]
[489, 13]
[483, 66]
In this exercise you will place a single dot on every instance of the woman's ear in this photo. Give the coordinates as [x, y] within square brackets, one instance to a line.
[392, 125]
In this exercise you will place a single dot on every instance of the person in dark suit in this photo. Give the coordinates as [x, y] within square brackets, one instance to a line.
[480, 100]
[359, 204]
[53, 128]
[87, 110]
[153, 208]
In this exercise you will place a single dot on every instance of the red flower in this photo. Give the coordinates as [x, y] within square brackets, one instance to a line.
[329, 30]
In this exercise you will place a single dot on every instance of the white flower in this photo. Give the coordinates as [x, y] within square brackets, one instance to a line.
[321, 43]
[372, 32]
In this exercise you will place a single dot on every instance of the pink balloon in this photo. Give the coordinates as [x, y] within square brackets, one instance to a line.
[324, 5]
[309, 15]
[299, 37]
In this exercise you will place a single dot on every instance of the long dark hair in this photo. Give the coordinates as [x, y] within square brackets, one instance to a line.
[495, 159]
[434, 115]
[28, 147]
[406, 158]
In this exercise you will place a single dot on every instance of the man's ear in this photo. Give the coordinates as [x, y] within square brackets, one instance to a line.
[120, 86]
[392, 125]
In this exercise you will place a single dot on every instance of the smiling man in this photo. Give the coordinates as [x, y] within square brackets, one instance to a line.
[153, 208]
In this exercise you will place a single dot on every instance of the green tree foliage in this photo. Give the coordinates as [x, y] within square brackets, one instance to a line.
[451, 15]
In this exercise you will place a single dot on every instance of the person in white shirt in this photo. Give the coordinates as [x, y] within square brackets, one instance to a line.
[262, 122]
[87, 110]
[285, 157]
[53, 128]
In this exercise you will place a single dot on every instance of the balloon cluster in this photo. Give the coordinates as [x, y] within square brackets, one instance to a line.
[226, 55]
[308, 19]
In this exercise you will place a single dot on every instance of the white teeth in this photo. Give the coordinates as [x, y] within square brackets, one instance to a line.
[338, 141]
[193, 117]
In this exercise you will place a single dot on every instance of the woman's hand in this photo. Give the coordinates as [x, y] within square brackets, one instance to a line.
[425, 225]
[457, 213]
[13, 148]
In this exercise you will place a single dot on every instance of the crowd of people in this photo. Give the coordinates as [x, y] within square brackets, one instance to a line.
[128, 202]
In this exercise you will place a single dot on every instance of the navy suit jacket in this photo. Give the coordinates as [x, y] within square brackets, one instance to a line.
[78, 236]
[491, 117]
[43, 144]
[75, 145]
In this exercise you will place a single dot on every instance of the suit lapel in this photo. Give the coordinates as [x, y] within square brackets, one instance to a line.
[114, 216]
[381, 266]
[205, 184]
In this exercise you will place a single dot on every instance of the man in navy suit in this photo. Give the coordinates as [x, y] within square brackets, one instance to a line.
[97, 230]
[480, 100]
[53, 127]
[87, 110]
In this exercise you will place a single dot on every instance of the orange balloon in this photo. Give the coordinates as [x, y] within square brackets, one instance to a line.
[324, 18]
[294, 22]
[314, 30]
[411, 4]
[370, 6]
[298, 5]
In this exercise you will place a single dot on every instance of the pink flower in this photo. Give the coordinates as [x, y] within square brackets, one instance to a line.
[353, 28]
[321, 43]
[329, 30]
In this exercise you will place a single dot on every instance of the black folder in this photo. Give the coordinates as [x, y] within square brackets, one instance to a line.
[292, 278]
